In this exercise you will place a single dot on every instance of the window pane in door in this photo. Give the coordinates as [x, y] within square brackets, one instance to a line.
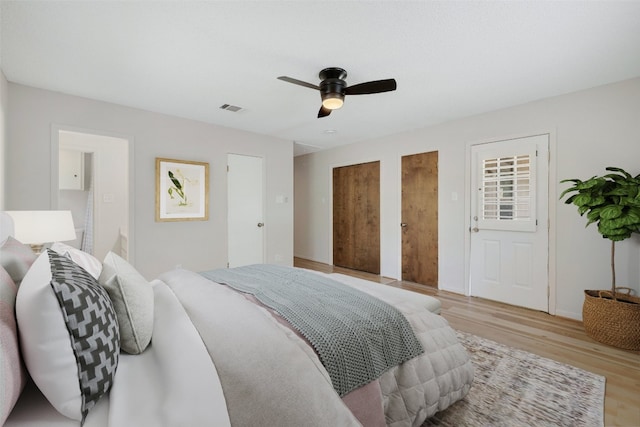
[506, 188]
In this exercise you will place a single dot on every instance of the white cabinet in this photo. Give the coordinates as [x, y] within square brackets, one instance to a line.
[71, 170]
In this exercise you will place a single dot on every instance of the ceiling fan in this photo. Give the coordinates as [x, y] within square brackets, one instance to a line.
[333, 88]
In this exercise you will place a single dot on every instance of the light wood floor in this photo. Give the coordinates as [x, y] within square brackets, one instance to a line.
[549, 336]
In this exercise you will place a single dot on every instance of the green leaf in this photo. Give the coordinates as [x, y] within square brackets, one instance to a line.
[622, 171]
[590, 183]
[591, 221]
[583, 209]
[612, 226]
[635, 211]
[582, 199]
[594, 214]
[568, 190]
[619, 191]
[611, 211]
[629, 218]
[610, 232]
[631, 201]
[570, 199]
[175, 181]
[574, 180]
[596, 201]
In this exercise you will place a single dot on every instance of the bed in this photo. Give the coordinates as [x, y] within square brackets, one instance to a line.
[184, 350]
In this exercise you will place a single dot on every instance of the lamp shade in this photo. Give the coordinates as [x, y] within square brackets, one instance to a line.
[39, 227]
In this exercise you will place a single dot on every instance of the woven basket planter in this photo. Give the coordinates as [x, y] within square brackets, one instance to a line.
[616, 323]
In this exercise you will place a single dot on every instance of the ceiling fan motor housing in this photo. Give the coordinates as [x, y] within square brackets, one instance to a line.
[332, 84]
[333, 73]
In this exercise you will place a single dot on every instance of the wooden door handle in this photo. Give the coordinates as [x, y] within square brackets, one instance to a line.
[403, 224]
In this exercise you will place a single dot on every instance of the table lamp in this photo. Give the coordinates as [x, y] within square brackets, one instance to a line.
[35, 228]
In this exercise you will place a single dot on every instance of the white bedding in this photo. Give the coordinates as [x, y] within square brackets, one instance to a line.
[203, 368]
[173, 383]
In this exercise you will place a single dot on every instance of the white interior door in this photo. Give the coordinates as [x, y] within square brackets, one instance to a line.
[245, 210]
[509, 222]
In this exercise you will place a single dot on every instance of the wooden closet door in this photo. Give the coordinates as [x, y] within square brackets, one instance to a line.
[356, 217]
[420, 218]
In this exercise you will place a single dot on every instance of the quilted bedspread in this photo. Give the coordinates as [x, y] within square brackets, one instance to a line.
[270, 376]
[431, 382]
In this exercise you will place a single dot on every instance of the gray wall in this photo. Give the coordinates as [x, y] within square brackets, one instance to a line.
[4, 101]
[589, 130]
[157, 246]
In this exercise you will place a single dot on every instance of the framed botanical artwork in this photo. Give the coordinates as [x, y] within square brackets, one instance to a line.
[182, 190]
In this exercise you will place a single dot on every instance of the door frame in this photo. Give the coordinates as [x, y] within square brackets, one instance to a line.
[551, 206]
[54, 155]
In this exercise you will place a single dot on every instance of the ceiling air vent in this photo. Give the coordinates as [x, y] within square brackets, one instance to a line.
[232, 108]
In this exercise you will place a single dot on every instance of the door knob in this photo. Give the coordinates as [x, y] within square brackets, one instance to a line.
[475, 229]
[261, 224]
[403, 224]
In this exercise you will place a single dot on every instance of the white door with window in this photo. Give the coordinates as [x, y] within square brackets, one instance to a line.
[509, 222]
[245, 212]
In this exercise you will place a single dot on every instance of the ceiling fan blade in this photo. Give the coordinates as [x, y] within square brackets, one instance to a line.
[376, 86]
[324, 112]
[298, 82]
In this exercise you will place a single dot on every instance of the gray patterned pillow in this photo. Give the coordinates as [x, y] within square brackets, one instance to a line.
[69, 334]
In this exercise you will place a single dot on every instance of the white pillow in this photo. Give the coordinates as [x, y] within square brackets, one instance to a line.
[68, 334]
[132, 297]
[83, 259]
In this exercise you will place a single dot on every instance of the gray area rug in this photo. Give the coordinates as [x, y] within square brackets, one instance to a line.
[516, 388]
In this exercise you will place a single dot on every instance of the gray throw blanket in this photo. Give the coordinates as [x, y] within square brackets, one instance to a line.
[356, 336]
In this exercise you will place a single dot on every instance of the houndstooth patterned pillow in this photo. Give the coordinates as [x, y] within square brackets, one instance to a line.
[93, 328]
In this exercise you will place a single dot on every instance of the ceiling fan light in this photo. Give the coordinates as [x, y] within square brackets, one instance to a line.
[332, 101]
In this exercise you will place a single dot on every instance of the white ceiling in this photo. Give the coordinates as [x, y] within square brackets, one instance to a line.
[451, 59]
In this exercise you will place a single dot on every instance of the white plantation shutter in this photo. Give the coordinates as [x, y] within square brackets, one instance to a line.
[507, 192]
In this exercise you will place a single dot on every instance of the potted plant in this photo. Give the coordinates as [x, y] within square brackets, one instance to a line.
[613, 202]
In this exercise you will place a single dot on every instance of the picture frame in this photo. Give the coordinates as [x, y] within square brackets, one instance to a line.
[182, 190]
